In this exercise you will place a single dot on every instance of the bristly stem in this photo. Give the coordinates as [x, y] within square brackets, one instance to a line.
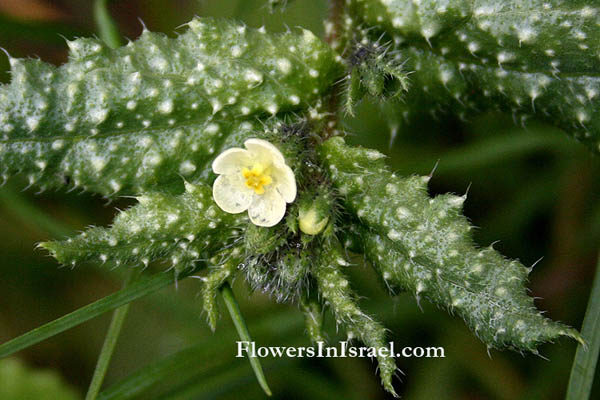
[333, 24]
[107, 28]
[586, 357]
[240, 325]
[333, 36]
[110, 342]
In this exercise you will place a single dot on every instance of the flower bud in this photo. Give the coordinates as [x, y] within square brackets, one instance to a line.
[314, 216]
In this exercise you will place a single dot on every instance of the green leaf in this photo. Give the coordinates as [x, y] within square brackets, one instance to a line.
[335, 291]
[242, 329]
[424, 245]
[179, 228]
[528, 57]
[77, 317]
[136, 118]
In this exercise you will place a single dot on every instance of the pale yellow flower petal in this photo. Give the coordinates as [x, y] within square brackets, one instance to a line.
[285, 181]
[256, 179]
[232, 161]
[267, 209]
[264, 151]
[231, 194]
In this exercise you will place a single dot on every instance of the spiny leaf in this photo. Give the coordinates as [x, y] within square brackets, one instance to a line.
[133, 119]
[335, 290]
[179, 227]
[424, 245]
[528, 57]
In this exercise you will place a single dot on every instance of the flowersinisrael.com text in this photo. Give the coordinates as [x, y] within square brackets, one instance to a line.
[245, 348]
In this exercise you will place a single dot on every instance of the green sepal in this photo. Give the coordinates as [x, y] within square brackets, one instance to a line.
[314, 212]
[222, 269]
[373, 71]
[259, 240]
[282, 273]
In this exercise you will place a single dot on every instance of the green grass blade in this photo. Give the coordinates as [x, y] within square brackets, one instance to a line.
[205, 357]
[77, 317]
[110, 342]
[586, 357]
[240, 325]
[107, 28]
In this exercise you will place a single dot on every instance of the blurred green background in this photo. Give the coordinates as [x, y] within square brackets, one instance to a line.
[531, 188]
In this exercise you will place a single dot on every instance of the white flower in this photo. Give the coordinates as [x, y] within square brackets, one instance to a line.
[256, 179]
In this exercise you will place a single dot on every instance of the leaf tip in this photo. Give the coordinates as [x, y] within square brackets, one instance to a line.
[574, 334]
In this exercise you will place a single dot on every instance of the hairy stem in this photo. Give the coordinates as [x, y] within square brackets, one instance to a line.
[333, 25]
[333, 36]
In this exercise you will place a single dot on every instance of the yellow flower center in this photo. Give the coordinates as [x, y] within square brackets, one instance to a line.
[257, 178]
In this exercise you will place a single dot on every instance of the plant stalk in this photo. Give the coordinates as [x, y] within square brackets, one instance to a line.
[107, 28]
[110, 342]
[586, 357]
[240, 326]
[333, 37]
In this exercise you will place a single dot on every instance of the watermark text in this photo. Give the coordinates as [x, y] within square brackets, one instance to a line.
[245, 348]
